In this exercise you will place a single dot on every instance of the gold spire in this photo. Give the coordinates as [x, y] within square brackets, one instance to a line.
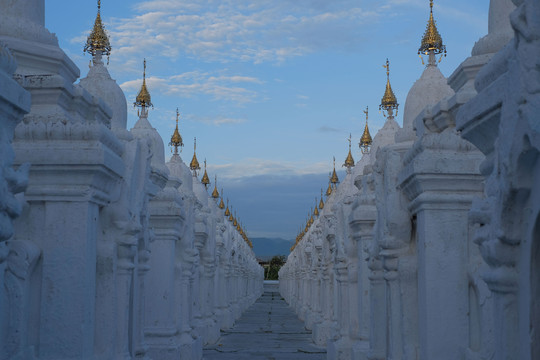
[366, 140]
[349, 161]
[321, 203]
[334, 178]
[143, 98]
[227, 211]
[176, 139]
[230, 214]
[215, 193]
[316, 211]
[98, 39]
[205, 180]
[221, 204]
[234, 219]
[389, 101]
[432, 40]
[329, 190]
[194, 165]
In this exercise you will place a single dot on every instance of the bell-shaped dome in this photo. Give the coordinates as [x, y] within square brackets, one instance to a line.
[99, 83]
[431, 88]
[385, 136]
[178, 169]
[144, 130]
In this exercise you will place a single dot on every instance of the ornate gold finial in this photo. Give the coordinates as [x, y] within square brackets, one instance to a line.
[227, 211]
[205, 180]
[194, 165]
[221, 204]
[230, 215]
[97, 42]
[316, 211]
[176, 139]
[329, 189]
[215, 193]
[321, 203]
[143, 99]
[366, 140]
[234, 219]
[432, 43]
[334, 178]
[349, 161]
[389, 101]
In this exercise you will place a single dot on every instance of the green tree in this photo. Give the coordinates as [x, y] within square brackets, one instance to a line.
[275, 264]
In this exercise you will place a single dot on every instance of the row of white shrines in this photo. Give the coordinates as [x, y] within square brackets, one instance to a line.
[430, 246]
[107, 252]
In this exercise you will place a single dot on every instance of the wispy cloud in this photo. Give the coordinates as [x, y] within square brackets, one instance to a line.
[328, 129]
[195, 83]
[254, 167]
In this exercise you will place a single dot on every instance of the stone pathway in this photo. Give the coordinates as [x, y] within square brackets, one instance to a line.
[268, 330]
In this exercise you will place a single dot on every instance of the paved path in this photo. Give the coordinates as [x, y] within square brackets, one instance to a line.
[268, 330]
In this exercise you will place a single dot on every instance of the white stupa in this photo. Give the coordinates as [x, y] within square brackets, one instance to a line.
[98, 82]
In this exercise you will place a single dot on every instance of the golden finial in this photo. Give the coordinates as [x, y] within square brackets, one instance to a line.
[316, 211]
[221, 204]
[329, 190]
[389, 101]
[194, 165]
[230, 215]
[366, 140]
[227, 211]
[321, 203]
[176, 139]
[143, 99]
[234, 219]
[205, 180]
[98, 41]
[334, 178]
[432, 42]
[215, 193]
[349, 161]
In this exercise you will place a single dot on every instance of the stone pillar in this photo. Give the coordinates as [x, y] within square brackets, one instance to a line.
[166, 220]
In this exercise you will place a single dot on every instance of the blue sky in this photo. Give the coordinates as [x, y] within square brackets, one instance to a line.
[270, 88]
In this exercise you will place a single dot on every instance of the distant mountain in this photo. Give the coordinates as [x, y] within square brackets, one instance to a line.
[266, 248]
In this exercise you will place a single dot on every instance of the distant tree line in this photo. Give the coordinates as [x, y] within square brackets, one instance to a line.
[271, 271]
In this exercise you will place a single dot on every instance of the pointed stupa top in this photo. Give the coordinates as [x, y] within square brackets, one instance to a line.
[321, 203]
[215, 193]
[334, 178]
[366, 140]
[143, 99]
[205, 180]
[227, 211]
[329, 189]
[98, 39]
[221, 204]
[176, 139]
[388, 101]
[432, 40]
[349, 161]
[316, 211]
[194, 165]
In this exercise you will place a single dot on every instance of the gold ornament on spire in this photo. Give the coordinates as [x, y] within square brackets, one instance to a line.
[176, 139]
[329, 189]
[316, 211]
[349, 161]
[334, 178]
[98, 41]
[389, 101]
[194, 165]
[321, 203]
[143, 99]
[366, 140]
[221, 204]
[205, 180]
[432, 41]
[215, 193]
[227, 211]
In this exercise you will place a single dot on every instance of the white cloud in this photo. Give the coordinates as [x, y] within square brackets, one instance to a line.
[254, 167]
[195, 83]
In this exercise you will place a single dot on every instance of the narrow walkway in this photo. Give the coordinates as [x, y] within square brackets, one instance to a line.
[268, 330]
